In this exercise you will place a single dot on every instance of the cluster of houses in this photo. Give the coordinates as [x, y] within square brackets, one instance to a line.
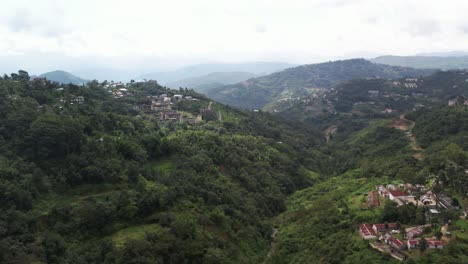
[161, 106]
[408, 83]
[385, 231]
[403, 194]
[455, 102]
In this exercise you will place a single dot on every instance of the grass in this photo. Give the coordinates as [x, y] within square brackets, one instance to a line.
[164, 165]
[76, 196]
[134, 233]
[355, 138]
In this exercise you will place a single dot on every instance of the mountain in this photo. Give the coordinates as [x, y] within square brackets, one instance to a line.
[424, 62]
[289, 84]
[215, 79]
[203, 69]
[102, 174]
[63, 77]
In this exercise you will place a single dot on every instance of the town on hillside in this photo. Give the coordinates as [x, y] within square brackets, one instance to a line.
[404, 241]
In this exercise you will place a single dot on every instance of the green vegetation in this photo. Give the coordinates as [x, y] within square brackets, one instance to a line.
[89, 178]
[63, 77]
[295, 82]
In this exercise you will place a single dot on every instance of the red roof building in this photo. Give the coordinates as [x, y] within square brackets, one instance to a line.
[412, 243]
[367, 232]
[432, 243]
[397, 243]
[381, 227]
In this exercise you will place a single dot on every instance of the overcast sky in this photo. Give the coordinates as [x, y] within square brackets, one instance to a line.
[176, 32]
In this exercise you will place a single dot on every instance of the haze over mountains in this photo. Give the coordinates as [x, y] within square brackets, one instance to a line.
[427, 62]
[259, 68]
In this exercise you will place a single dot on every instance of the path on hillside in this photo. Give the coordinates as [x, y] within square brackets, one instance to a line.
[272, 244]
[330, 131]
[407, 125]
[209, 105]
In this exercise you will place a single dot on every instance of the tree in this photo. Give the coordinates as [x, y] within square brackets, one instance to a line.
[423, 244]
[54, 247]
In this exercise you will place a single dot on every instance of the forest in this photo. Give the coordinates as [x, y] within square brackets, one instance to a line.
[98, 181]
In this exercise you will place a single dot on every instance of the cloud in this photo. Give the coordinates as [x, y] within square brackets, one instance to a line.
[463, 28]
[49, 24]
[261, 28]
[423, 28]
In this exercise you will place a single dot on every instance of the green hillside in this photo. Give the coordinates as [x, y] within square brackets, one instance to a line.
[63, 77]
[100, 174]
[96, 180]
[290, 84]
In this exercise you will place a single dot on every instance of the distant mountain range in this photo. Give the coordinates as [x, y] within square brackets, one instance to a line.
[209, 81]
[63, 77]
[456, 53]
[264, 92]
[258, 68]
[426, 62]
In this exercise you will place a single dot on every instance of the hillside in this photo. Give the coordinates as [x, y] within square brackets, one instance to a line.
[379, 98]
[140, 173]
[425, 62]
[192, 71]
[89, 175]
[209, 81]
[63, 77]
[266, 91]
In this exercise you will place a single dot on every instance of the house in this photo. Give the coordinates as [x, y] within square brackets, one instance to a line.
[178, 97]
[382, 227]
[452, 102]
[373, 93]
[79, 99]
[385, 237]
[412, 232]
[169, 115]
[396, 243]
[157, 105]
[388, 110]
[366, 231]
[437, 244]
[412, 243]
[397, 194]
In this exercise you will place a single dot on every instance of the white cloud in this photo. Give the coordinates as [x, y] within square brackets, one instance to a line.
[300, 31]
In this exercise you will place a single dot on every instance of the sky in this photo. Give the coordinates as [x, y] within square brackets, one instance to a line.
[144, 35]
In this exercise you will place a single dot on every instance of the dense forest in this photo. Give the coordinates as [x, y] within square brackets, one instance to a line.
[80, 180]
[88, 177]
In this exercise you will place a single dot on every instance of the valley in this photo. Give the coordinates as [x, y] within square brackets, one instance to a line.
[118, 172]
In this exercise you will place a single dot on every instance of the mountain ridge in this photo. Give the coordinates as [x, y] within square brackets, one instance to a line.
[303, 80]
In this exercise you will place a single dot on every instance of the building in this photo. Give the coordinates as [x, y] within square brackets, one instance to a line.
[366, 231]
[169, 115]
[412, 232]
[396, 243]
[158, 106]
[412, 243]
[373, 93]
[435, 244]
[382, 227]
[397, 194]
